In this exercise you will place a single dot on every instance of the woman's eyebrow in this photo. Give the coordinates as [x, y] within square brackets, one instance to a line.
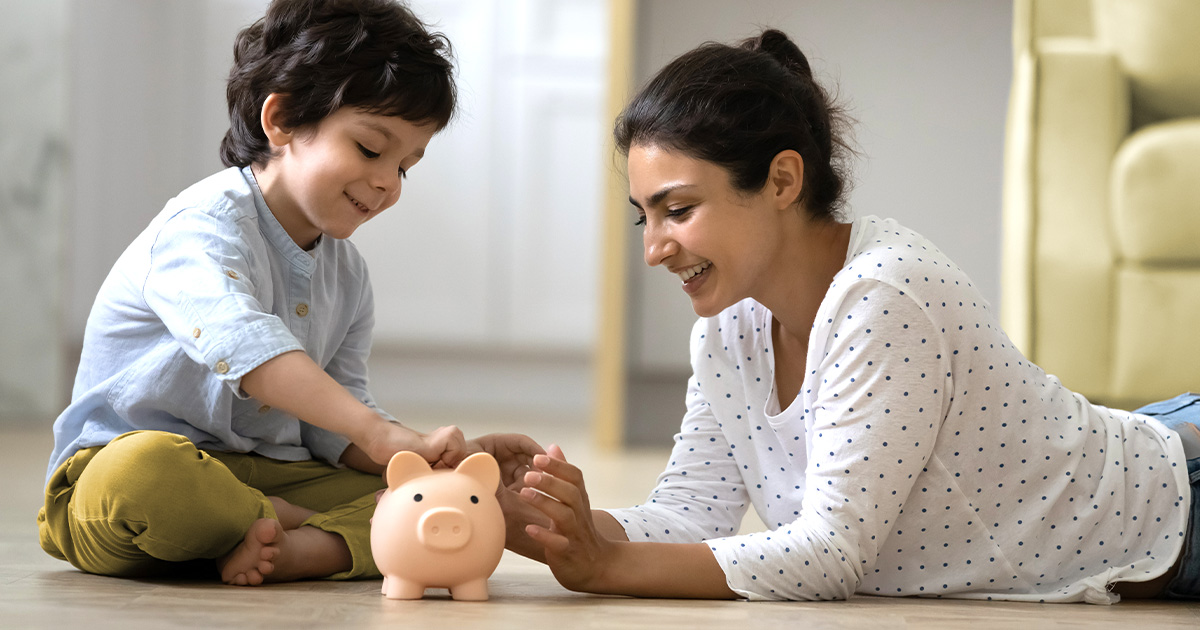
[657, 197]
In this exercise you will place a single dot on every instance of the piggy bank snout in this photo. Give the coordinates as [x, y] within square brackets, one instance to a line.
[444, 528]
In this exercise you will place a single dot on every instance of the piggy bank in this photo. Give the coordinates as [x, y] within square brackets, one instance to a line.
[438, 528]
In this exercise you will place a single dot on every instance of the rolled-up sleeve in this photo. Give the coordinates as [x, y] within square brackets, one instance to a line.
[199, 283]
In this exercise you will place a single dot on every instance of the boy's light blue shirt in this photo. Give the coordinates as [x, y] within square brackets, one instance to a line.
[213, 288]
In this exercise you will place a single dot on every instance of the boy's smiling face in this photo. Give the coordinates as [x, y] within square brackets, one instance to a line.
[337, 175]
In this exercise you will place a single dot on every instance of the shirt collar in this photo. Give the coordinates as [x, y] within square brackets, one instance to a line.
[276, 235]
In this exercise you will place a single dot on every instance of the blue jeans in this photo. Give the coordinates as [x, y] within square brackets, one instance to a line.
[1182, 415]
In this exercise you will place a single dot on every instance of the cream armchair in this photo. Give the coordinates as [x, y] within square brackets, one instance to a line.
[1101, 269]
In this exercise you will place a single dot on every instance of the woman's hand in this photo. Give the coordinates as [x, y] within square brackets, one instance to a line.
[513, 452]
[577, 553]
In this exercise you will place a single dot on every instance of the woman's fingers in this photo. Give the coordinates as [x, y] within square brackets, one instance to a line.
[560, 514]
[563, 490]
[556, 543]
[558, 466]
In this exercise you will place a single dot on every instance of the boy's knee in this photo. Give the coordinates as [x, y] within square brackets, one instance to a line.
[154, 493]
[137, 467]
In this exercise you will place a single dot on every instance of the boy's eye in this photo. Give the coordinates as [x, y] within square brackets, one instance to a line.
[367, 152]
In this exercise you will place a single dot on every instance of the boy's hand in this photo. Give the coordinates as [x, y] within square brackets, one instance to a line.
[444, 446]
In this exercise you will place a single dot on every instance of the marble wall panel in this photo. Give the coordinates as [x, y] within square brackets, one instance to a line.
[34, 162]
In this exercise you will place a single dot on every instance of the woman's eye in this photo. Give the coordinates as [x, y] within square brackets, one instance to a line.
[641, 220]
[678, 212]
[367, 152]
[403, 173]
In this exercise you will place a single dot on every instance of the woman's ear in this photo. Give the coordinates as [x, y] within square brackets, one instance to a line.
[272, 121]
[785, 178]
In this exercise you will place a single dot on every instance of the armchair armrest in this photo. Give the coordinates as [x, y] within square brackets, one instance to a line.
[1068, 112]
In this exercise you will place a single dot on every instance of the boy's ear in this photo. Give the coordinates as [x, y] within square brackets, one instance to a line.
[272, 120]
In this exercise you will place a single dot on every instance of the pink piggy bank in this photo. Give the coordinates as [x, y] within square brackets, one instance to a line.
[438, 528]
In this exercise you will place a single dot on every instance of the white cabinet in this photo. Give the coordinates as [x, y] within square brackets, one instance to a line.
[494, 240]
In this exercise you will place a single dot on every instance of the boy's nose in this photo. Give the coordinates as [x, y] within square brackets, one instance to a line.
[387, 183]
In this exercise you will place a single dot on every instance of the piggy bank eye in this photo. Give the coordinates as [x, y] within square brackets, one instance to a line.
[418, 498]
[474, 499]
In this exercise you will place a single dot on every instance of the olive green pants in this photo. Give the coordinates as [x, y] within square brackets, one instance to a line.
[150, 503]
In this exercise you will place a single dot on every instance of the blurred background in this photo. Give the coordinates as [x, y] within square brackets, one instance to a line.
[510, 290]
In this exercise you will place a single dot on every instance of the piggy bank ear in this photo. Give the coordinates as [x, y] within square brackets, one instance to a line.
[404, 467]
[481, 467]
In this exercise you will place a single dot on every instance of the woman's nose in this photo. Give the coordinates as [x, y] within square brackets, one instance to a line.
[658, 246]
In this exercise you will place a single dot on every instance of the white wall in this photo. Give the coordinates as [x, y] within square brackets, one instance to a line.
[147, 111]
[928, 82]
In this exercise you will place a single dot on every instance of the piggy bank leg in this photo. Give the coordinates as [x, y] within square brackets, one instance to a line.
[474, 591]
[396, 588]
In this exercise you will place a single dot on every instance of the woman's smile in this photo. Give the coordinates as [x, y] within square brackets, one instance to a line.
[694, 277]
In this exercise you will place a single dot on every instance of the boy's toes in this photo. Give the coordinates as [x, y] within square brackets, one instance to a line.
[253, 577]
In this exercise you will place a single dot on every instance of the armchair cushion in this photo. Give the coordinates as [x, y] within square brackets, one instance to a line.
[1158, 45]
[1156, 194]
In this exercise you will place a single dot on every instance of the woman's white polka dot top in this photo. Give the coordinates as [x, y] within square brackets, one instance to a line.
[924, 455]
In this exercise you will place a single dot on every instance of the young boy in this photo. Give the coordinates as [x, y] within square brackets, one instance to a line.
[221, 410]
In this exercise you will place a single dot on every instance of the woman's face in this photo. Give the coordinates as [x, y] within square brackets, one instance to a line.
[695, 224]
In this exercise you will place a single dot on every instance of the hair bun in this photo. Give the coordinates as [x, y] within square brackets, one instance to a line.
[777, 44]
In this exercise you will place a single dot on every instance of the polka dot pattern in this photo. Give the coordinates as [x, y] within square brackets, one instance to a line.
[924, 455]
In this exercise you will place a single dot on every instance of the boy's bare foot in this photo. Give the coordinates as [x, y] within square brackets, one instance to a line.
[252, 561]
[270, 553]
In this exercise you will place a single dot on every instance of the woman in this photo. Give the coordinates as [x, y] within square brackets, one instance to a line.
[854, 387]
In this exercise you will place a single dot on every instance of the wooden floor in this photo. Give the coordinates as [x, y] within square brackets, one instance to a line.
[37, 591]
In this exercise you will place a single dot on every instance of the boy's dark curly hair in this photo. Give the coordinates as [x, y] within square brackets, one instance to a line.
[322, 55]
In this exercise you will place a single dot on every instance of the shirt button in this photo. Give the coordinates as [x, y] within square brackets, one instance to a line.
[222, 367]
[232, 274]
[302, 309]
[264, 409]
[196, 333]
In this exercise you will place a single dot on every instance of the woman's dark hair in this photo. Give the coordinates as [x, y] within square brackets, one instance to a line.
[738, 107]
[322, 55]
